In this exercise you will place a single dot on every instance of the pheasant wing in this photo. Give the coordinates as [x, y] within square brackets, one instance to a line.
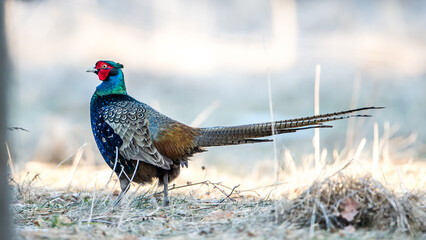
[128, 121]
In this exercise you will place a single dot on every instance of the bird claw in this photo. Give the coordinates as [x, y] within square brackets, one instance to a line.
[184, 164]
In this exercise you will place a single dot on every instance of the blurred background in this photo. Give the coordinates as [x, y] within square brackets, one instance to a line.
[206, 63]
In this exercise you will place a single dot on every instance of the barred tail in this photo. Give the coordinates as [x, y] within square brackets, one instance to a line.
[219, 136]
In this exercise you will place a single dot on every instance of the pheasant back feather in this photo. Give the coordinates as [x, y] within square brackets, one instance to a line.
[126, 118]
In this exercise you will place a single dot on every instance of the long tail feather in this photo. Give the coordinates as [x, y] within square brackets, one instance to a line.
[218, 136]
[332, 114]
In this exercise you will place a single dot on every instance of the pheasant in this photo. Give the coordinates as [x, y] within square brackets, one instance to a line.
[140, 144]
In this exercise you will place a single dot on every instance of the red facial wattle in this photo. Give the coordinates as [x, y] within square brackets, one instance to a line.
[103, 70]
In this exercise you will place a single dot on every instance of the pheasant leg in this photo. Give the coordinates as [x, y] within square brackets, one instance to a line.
[166, 190]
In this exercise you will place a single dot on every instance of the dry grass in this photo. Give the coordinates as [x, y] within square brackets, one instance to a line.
[359, 192]
[344, 199]
[347, 202]
[217, 211]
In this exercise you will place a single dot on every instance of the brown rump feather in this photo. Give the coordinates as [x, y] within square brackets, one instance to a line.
[177, 141]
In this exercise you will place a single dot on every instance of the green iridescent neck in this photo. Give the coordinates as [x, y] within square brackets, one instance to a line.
[112, 85]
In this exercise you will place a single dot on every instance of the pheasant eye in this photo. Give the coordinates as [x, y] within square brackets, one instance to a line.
[104, 66]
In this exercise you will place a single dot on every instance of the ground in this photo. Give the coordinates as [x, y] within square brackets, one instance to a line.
[344, 202]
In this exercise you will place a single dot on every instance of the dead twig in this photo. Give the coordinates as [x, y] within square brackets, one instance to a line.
[18, 128]
[232, 191]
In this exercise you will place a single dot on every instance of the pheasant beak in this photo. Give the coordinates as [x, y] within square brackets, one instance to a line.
[92, 69]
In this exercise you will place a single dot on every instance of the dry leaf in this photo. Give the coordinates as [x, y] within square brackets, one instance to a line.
[217, 215]
[206, 231]
[64, 220]
[345, 230]
[130, 237]
[349, 209]
[349, 228]
[40, 222]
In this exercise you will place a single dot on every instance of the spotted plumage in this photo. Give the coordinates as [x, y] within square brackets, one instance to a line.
[141, 144]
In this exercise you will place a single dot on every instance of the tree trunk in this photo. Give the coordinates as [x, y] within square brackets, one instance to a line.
[5, 224]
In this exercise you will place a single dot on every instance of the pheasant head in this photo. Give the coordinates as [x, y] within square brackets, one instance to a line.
[112, 77]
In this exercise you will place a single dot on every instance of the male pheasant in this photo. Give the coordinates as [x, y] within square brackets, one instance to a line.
[141, 144]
